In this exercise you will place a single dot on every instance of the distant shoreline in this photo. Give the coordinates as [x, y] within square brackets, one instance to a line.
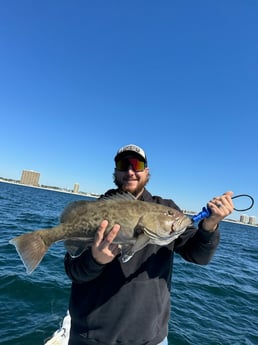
[92, 195]
[54, 189]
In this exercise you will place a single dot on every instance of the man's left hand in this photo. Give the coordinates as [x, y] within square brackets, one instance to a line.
[220, 206]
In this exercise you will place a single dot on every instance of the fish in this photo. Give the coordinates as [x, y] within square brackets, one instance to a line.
[141, 223]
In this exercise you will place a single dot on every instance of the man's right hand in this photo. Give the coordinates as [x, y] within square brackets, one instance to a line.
[103, 248]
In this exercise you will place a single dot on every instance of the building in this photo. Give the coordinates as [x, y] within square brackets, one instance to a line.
[248, 220]
[30, 178]
[76, 188]
[244, 218]
[252, 220]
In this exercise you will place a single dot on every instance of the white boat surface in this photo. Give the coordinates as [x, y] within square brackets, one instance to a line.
[61, 336]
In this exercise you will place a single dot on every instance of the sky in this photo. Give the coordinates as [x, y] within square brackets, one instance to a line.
[79, 79]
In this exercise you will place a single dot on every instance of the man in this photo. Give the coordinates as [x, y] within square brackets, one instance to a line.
[115, 303]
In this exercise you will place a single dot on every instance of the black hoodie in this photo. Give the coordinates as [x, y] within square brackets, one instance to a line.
[129, 303]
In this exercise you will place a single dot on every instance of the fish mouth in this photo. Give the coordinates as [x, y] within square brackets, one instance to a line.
[180, 224]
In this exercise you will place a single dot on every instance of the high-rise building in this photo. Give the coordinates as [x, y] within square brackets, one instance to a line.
[244, 218]
[252, 220]
[76, 188]
[30, 178]
[248, 220]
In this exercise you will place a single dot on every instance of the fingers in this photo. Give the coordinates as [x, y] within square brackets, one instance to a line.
[101, 239]
[230, 193]
[100, 233]
[222, 205]
[103, 248]
[107, 241]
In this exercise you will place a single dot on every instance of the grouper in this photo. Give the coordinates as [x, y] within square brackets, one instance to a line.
[141, 223]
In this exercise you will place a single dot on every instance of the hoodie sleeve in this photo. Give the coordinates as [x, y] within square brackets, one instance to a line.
[197, 245]
[83, 268]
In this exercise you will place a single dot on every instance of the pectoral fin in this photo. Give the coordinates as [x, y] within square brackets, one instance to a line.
[76, 246]
[128, 251]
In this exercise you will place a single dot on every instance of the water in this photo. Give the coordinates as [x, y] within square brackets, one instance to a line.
[211, 305]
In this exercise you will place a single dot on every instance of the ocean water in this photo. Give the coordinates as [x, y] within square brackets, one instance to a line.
[215, 304]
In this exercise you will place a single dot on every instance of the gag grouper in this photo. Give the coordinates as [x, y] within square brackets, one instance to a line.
[141, 223]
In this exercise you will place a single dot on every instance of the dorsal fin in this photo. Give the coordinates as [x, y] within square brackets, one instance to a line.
[119, 196]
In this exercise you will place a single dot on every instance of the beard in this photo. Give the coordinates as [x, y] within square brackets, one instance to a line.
[125, 187]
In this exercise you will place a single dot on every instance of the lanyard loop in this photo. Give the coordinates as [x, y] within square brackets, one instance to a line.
[245, 195]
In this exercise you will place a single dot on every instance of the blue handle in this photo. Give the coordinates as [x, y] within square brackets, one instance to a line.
[205, 213]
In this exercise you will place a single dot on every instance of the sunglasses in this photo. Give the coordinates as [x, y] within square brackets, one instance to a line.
[133, 163]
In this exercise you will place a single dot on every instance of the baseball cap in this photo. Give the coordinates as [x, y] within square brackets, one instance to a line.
[131, 149]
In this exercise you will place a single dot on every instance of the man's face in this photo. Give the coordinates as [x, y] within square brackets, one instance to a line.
[129, 179]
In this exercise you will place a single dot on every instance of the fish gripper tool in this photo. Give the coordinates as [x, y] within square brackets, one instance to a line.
[206, 212]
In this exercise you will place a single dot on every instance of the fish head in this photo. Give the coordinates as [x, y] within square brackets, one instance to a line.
[165, 225]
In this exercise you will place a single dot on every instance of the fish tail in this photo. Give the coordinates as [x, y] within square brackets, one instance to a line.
[31, 249]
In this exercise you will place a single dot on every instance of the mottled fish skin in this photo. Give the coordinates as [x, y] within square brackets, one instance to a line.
[141, 223]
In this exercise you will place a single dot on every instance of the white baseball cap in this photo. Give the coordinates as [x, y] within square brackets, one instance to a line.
[131, 149]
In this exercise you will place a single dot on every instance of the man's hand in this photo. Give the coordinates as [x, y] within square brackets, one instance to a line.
[103, 250]
[221, 207]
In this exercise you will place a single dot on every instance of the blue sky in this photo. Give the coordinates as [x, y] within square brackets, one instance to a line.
[79, 79]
